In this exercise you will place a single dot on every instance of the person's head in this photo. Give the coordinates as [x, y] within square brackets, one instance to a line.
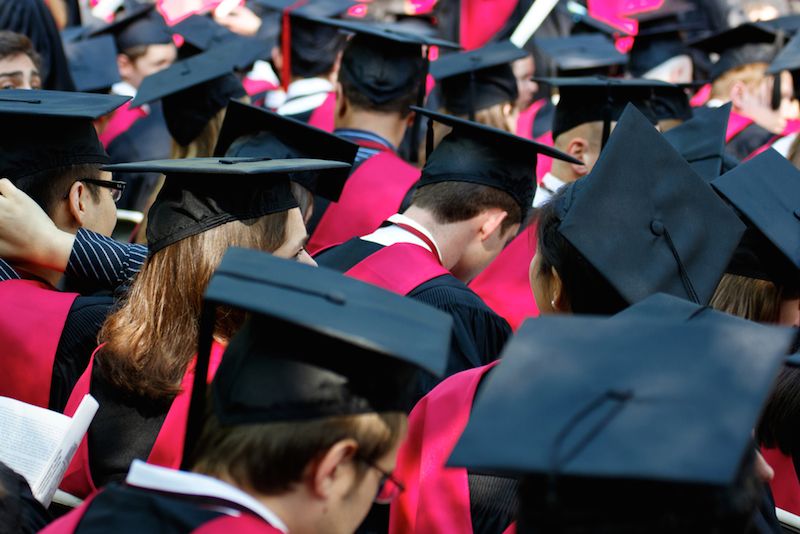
[750, 90]
[332, 468]
[20, 64]
[137, 63]
[524, 69]
[582, 142]
[778, 427]
[757, 300]
[492, 219]
[316, 50]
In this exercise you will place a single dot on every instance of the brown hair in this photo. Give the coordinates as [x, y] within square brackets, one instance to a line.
[751, 75]
[13, 44]
[494, 116]
[749, 298]
[270, 458]
[203, 145]
[47, 188]
[459, 201]
[151, 338]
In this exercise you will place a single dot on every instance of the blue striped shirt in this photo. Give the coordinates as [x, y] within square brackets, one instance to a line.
[364, 153]
[103, 262]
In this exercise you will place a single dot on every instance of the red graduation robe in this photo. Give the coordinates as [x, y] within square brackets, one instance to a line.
[31, 323]
[323, 116]
[785, 486]
[167, 450]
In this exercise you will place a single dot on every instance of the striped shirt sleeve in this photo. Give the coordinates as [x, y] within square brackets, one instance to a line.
[7, 272]
[104, 262]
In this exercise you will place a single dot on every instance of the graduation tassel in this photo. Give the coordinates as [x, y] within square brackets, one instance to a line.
[429, 139]
[472, 96]
[776, 78]
[286, 44]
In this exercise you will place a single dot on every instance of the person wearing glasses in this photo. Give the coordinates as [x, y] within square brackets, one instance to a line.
[50, 151]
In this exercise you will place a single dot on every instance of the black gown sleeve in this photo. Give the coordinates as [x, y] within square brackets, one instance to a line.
[19, 510]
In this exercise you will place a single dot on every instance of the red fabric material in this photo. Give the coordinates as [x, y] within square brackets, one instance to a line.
[372, 194]
[701, 96]
[526, 119]
[436, 499]
[242, 524]
[480, 20]
[31, 323]
[544, 163]
[785, 487]
[122, 119]
[323, 116]
[67, 524]
[168, 447]
[505, 284]
[736, 124]
[399, 268]
[254, 87]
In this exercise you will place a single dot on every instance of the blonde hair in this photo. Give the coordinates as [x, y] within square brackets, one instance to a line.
[749, 298]
[751, 75]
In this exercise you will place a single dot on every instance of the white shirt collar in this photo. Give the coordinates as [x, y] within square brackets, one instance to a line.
[143, 475]
[393, 234]
[715, 103]
[308, 86]
[552, 183]
[123, 89]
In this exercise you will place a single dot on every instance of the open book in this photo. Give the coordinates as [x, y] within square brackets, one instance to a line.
[39, 444]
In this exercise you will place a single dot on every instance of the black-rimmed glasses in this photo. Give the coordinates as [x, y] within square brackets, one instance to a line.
[389, 488]
[116, 186]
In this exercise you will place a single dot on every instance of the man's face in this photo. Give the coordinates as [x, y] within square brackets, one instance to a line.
[157, 58]
[101, 215]
[19, 72]
[481, 252]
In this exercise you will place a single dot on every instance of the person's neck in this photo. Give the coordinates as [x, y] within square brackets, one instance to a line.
[390, 126]
[452, 238]
[33, 272]
[292, 508]
[563, 171]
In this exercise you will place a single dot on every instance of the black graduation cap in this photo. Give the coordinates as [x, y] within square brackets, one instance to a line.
[318, 344]
[660, 36]
[788, 58]
[765, 191]
[201, 33]
[742, 45]
[788, 23]
[701, 140]
[623, 399]
[142, 25]
[49, 129]
[582, 54]
[480, 154]
[671, 102]
[309, 48]
[597, 98]
[676, 236]
[193, 90]
[250, 131]
[93, 63]
[478, 79]
[203, 193]
[583, 23]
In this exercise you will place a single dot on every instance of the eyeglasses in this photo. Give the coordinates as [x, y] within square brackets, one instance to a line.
[389, 488]
[116, 186]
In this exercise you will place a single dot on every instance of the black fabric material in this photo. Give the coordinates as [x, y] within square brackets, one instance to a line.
[314, 47]
[187, 112]
[701, 140]
[742, 45]
[32, 18]
[479, 334]
[142, 25]
[122, 509]
[146, 139]
[495, 85]
[78, 341]
[748, 141]
[543, 122]
[492, 502]
[93, 63]
[648, 52]
[671, 103]
[124, 429]
[20, 512]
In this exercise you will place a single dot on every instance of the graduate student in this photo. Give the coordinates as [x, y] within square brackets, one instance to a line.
[659, 50]
[142, 371]
[383, 73]
[475, 191]
[761, 102]
[20, 64]
[50, 151]
[290, 439]
[616, 430]
[658, 232]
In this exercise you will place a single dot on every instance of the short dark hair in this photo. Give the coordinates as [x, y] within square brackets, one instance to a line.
[359, 100]
[12, 44]
[135, 52]
[459, 201]
[271, 458]
[780, 423]
[586, 289]
[50, 186]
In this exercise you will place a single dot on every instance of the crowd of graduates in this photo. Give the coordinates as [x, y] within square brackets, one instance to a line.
[334, 266]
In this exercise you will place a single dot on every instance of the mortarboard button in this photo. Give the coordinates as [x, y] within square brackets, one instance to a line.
[657, 227]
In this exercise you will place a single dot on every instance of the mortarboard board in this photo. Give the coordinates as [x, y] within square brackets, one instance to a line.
[660, 36]
[581, 55]
[93, 63]
[765, 191]
[478, 79]
[49, 129]
[598, 98]
[676, 236]
[202, 34]
[671, 103]
[203, 193]
[583, 23]
[480, 154]
[193, 90]
[788, 58]
[359, 345]
[625, 400]
[701, 140]
[249, 131]
[140, 26]
[309, 48]
[745, 44]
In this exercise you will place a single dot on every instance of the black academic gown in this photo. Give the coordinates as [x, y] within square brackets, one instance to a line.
[479, 334]
[20, 512]
[746, 142]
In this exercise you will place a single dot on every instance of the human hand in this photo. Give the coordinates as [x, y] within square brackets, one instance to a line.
[27, 235]
[240, 20]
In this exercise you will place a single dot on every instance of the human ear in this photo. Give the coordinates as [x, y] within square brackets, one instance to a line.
[559, 302]
[77, 203]
[578, 148]
[738, 95]
[333, 473]
[341, 101]
[492, 221]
